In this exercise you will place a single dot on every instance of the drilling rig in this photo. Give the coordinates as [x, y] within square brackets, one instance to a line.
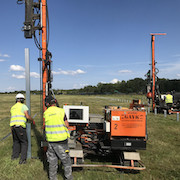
[153, 93]
[120, 131]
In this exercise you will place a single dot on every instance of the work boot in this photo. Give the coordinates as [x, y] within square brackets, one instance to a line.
[22, 161]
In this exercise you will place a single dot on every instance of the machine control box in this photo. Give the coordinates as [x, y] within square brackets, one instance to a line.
[77, 114]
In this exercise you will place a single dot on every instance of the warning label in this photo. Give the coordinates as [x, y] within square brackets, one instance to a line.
[128, 123]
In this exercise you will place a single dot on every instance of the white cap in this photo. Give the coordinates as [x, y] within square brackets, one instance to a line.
[20, 96]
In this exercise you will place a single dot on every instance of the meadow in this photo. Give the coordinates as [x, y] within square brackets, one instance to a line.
[161, 158]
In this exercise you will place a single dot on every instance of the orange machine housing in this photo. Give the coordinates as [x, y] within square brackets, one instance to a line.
[129, 123]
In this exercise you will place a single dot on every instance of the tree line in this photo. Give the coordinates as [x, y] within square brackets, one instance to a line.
[136, 85]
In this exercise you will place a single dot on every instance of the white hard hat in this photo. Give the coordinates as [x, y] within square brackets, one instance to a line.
[20, 96]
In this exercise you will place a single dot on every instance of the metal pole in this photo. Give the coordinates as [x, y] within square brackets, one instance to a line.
[155, 111]
[177, 116]
[165, 113]
[28, 102]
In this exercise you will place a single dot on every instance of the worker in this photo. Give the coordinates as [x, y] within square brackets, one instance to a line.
[56, 129]
[19, 116]
[169, 100]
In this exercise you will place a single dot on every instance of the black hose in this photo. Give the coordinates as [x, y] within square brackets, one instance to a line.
[5, 137]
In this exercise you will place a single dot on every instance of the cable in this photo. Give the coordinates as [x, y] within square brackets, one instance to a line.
[156, 70]
[5, 137]
[40, 71]
[37, 43]
[48, 34]
[37, 25]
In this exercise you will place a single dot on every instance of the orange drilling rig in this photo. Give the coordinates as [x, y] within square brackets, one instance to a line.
[152, 86]
[120, 132]
[153, 92]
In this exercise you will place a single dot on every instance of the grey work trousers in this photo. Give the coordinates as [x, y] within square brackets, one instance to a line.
[59, 151]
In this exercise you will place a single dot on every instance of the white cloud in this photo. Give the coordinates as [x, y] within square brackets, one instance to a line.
[178, 75]
[125, 71]
[21, 76]
[55, 72]
[2, 60]
[103, 82]
[69, 72]
[34, 74]
[16, 68]
[78, 86]
[4, 55]
[114, 81]
[10, 88]
[79, 71]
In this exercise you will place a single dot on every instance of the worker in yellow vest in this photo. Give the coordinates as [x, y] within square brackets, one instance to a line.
[56, 129]
[19, 116]
[169, 100]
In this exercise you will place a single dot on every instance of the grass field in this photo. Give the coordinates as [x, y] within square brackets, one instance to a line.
[162, 157]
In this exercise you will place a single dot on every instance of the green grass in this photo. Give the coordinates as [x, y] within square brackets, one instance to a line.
[162, 157]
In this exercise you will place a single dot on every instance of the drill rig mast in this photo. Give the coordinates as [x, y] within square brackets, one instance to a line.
[152, 86]
[36, 19]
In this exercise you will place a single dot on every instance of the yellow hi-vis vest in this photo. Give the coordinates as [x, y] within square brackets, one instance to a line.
[169, 99]
[54, 124]
[17, 117]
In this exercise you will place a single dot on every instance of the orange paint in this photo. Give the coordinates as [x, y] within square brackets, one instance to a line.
[128, 123]
[153, 71]
[44, 49]
[72, 128]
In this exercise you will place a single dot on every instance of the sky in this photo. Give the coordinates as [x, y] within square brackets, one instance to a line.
[92, 41]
